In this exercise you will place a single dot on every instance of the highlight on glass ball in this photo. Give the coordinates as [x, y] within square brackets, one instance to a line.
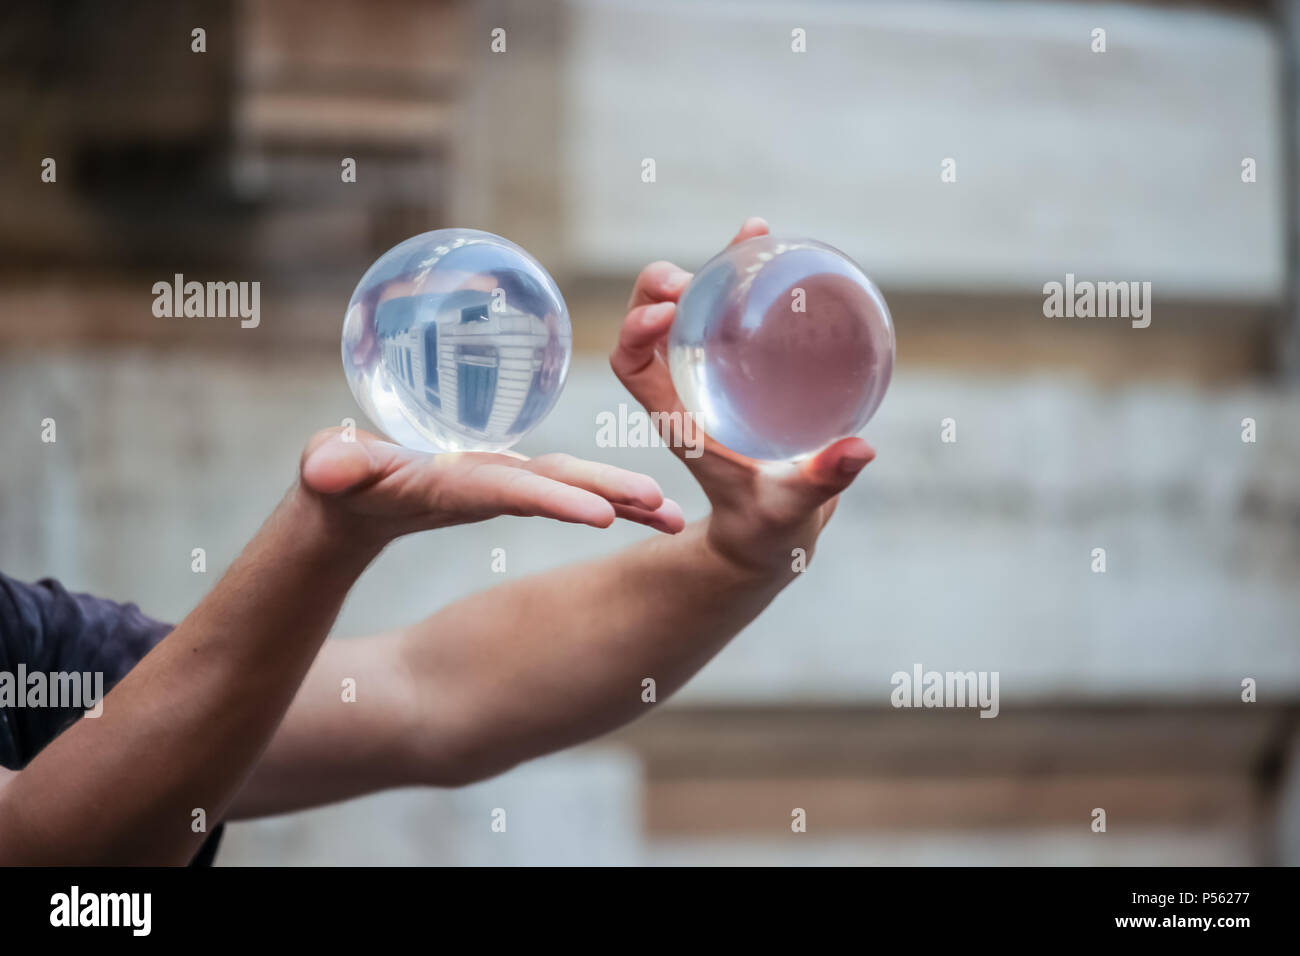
[456, 340]
[780, 347]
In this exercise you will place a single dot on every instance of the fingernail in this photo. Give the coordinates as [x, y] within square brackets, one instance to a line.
[851, 465]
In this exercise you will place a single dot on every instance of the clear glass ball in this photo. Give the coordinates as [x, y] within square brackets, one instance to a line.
[456, 340]
[780, 347]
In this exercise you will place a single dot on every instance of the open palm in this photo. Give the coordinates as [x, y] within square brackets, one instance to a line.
[385, 490]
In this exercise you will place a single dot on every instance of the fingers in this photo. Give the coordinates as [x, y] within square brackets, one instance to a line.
[664, 282]
[833, 468]
[507, 490]
[616, 485]
[642, 329]
[667, 518]
[625, 494]
[751, 227]
[651, 310]
[478, 485]
[634, 497]
[658, 282]
[556, 486]
[637, 363]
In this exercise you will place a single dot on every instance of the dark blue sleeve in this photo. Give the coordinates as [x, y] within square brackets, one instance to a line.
[47, 630]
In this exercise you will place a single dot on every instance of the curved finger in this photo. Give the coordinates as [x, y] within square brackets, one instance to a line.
[751, 227]
[658, 282]
[641, 332]
[667, 518]
[636, 361]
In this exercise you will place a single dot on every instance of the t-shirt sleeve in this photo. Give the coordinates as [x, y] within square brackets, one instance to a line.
[48, 631]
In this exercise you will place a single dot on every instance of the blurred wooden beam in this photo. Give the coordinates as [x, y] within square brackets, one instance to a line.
[744, 769]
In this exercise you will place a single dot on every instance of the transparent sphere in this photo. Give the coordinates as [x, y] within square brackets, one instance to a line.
[456, 340]
[780, 347]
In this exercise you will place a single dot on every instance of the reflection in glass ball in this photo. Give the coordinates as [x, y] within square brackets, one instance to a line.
[456, 340]
[780, 347]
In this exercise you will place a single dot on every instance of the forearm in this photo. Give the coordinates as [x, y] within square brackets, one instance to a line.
[549, 661]
[350, 730]
[182, 730]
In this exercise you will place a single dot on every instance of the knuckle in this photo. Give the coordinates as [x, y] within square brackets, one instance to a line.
[654, 269]
[315, 441]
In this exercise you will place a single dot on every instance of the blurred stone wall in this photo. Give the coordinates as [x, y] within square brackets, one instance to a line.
[977, 552]
[969, 556]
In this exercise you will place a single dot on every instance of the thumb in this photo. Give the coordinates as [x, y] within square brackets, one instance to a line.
[833, 468]
[331, 465]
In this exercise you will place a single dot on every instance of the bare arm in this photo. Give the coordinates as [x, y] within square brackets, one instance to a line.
[505, 675]
[540, 664]
[553, 660]
[559, 658]
[185, 727]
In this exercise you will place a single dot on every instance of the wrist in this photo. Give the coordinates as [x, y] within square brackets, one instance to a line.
[327, 537]
[749, 559]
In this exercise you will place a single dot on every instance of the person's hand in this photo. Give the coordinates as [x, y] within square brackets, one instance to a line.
[761, 511]
[380, 490]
